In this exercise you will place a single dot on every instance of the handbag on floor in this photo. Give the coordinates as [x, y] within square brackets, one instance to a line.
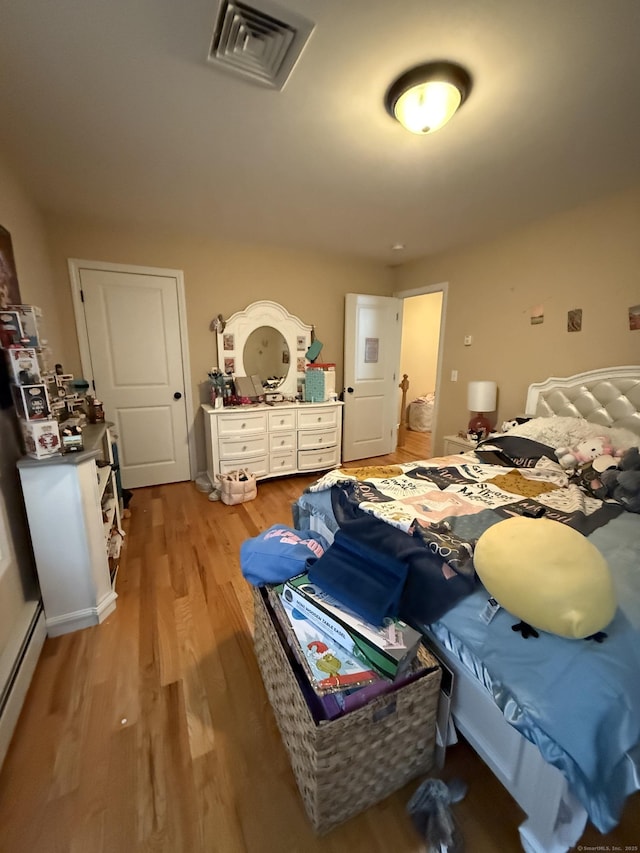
[236, 487]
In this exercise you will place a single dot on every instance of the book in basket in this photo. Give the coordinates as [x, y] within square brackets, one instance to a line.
[389, 648]
[328, 666]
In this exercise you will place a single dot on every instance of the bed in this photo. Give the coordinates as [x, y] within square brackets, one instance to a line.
[565, 743]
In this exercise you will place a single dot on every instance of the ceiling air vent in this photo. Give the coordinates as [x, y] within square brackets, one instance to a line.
[261, 44]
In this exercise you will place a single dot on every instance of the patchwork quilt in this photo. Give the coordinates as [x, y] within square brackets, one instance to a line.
[460, 487]
[431, 513]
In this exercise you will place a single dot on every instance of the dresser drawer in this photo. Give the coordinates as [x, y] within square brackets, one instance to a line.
[238, 448]
[317, 438]
[315, 460]
[241, 423]
[317, 417]
[282, 463]
[258, 465]
[282, 441]
[283, 420]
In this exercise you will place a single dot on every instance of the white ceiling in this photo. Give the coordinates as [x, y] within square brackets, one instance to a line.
[109, 109]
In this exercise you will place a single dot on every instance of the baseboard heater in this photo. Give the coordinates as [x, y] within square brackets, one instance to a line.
[15, 688]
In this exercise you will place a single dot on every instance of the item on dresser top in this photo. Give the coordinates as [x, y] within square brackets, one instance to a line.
[31, 401]
[237, 487]
[280, 553]
[11, 333]
[30, 322]
[71, 436]
[24, 365]
[41, 438]
[245, 389]
[314, 385]
[367, 581]
[216, 389]
[390, 648]
[320, 388]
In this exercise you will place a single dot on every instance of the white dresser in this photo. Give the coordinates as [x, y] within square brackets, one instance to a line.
[286, 438]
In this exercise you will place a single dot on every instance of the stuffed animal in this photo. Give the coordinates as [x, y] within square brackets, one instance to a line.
[623, 483]
[505, 426]
[598, 447]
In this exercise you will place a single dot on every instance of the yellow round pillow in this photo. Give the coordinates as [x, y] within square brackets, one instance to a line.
[546, 574]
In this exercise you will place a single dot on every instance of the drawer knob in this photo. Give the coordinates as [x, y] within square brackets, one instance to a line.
[243, 426]
[244, 448]
[319, 418]
[281, 420]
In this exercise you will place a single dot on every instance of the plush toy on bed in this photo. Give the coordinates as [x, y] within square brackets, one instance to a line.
[505, 426]
[548, 575]
[591, 449]
[623, 483]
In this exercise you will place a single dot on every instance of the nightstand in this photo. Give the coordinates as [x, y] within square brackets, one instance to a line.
[457, 444]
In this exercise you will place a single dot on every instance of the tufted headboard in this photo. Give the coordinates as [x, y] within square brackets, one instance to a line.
[609, 396]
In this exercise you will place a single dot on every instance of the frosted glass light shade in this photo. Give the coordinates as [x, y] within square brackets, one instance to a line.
[481, 396]
[427, 107]
[424, 98]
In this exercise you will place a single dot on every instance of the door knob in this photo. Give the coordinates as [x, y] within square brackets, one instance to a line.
[177, 395]
[350, 390]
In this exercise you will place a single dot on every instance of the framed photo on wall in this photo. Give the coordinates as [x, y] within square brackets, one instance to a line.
[9, 288]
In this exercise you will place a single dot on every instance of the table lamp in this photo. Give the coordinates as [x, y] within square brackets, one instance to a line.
[481, 398]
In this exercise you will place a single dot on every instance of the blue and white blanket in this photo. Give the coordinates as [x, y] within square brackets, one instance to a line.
[577, 700]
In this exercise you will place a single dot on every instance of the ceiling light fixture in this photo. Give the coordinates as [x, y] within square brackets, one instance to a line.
[424, 98]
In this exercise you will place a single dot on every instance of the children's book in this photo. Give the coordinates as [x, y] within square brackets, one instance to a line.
[328, 665]
[389, 648]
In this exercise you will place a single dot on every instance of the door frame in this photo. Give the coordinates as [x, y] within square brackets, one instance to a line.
[75, 264]
[441, 287]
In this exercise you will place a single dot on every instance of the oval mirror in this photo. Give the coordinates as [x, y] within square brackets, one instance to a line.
[266, 353]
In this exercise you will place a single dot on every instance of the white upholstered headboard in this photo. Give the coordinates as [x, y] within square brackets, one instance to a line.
[609, 396]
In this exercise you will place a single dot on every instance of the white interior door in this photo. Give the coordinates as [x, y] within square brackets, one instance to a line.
[372, 336]
[136, 342]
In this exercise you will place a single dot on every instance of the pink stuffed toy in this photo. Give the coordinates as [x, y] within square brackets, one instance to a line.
[597, 450]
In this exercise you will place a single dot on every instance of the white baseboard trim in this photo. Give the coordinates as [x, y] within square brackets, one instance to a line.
[84, 618]
[21, 681]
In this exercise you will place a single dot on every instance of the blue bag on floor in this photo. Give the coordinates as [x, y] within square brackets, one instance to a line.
[365, 580]
[280, 553]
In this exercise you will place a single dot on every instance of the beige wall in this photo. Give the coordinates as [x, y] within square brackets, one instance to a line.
[587, 258]
[420, 333]
[221, 278]
[18, 587]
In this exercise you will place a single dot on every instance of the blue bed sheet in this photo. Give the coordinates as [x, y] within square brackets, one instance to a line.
[577, 700]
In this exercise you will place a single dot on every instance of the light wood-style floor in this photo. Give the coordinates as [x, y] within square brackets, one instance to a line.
[152, 731]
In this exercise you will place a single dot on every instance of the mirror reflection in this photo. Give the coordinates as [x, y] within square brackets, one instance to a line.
[266, 353]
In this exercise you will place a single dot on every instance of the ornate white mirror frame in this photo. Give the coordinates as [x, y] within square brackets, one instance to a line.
[238, 328]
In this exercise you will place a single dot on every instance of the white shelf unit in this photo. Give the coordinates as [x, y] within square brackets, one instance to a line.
[72, 507]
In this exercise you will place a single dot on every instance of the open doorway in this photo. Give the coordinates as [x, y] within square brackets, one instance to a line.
[420, 358]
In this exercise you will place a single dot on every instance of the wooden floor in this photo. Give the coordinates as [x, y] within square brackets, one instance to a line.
[152, 731]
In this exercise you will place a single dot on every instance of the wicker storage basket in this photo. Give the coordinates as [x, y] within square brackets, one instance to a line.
[345, 765]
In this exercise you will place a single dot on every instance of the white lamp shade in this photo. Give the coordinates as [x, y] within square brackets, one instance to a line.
[481, 396]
